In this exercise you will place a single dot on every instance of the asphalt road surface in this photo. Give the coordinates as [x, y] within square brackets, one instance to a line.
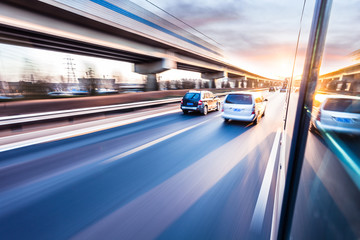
[170, 176]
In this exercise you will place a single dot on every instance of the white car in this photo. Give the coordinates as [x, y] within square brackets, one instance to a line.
[244, 106]
[336, 113]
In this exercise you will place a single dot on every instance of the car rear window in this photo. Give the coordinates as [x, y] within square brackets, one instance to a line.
[342, 105]
[192, 96]
[239, 99]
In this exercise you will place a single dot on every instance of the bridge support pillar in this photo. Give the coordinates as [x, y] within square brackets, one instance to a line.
[251, 83]
[151, 69]
[212, 83]
[241, 82]
[151, 83]
[261, 83]
[234, 82]
[213, 76]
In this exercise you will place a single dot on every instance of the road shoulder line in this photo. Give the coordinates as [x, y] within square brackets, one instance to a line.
[69, 134]
[260, 207]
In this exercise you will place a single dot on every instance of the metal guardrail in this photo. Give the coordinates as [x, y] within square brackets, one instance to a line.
[36, 117]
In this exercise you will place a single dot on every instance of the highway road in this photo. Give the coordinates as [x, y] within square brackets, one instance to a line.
[152, 174]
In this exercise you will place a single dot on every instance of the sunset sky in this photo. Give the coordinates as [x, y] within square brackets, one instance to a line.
[260, 35]
[256, 35]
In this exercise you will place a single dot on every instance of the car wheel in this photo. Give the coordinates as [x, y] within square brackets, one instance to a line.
[218, 106]
[185, 111]
[312, 128]
[263, 115]
[205, 110]
[256, 120]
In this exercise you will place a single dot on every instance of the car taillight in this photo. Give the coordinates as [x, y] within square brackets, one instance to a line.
[253, 109]
[182, 101]
[222, 108]
[318, 115]
[199, 103]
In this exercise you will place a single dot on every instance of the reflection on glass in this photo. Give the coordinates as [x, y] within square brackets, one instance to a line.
[328, 199]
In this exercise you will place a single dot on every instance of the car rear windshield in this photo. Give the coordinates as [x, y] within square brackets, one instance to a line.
[343, 105]
[239, 99]
[192, 96]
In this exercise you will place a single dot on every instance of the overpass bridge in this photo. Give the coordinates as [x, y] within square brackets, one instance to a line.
[118, 30]
[342, 80]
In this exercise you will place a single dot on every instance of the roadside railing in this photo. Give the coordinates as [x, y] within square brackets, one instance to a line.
[19, 120]
[43, 116]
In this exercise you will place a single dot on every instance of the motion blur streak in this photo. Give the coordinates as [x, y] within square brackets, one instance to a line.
[198, 184]
[155, 210]
[74, 133]
[153, 142]
[326, 171]
[350, 162]
[259, 213]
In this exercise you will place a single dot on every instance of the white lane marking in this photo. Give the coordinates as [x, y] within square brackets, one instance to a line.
[79, 132]
[149, 144]
[66, 128]
[279, 190]
[260, 207]
[99, 108]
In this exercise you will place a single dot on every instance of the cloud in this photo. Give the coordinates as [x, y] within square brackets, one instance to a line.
[198, 14]
[260, 32]
[237, 24]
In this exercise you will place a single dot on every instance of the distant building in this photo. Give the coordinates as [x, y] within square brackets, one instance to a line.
[4, 87]
[14, 87]
[98, 83]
